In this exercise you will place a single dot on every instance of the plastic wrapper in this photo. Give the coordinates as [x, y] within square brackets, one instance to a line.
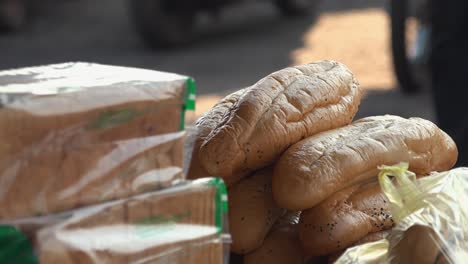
[186, 223]
[76, 134]
[431, 219]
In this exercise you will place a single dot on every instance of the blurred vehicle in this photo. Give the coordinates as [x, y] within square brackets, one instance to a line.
[410, 58]
[13, 14]
[167, 23]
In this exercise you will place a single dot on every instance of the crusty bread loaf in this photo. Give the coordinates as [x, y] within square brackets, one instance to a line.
[344, 218]
[319, 166]
[278, 111]
[204, 126]
[172, 226]
[372, 237]
[88, 143]
[252, 211]
[281, 245]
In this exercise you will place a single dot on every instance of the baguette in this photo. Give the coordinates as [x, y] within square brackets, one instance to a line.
[252, 211]
[281, 245]
[276, 112]
[344, 218]
[323, 164]
[203, 128]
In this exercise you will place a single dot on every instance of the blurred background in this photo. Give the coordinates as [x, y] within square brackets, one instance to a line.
[227, 44]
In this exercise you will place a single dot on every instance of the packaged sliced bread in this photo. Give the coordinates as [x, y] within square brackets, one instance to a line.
[182, 224]
[77, 134]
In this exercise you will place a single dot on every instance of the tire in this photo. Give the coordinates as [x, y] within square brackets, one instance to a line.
[161, 26]
[296, 7]
[13, 15]
[401, 63]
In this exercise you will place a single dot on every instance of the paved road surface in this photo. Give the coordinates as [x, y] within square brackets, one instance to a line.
[249, 42]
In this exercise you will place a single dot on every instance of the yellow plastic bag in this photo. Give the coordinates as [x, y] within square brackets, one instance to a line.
[431, 216]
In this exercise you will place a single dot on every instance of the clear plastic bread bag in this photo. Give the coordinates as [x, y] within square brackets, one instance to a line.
[431, 216]
[186, 223]
[77, 134]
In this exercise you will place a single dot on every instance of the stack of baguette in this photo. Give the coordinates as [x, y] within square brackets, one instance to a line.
[288, 145]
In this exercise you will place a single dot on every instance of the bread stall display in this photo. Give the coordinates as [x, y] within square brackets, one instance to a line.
[296, 127]
[93, 167]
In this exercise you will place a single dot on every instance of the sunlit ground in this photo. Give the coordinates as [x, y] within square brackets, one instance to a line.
[359, 38]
